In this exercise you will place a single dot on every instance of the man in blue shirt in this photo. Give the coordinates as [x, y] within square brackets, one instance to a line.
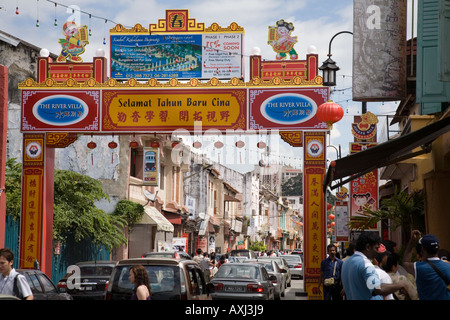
[430, 285]
[330, 268]
[359, 277]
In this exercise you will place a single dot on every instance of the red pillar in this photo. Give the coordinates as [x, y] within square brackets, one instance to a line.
[47, 238]
[3, 137]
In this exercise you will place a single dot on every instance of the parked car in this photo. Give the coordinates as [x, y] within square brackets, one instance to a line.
[295, 262]
[250, 254]
[170, 279]
[42, 286]
[283, 266]
[167, 254]
[92, 282]
[243, 281]
[273, 269]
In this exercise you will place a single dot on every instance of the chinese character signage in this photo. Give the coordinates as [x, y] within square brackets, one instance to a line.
[60, 110]
[293, 108]
[31, 221]
[314, 210]
[167, 110]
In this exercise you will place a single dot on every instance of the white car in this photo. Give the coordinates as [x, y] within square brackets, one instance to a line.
[295, 263]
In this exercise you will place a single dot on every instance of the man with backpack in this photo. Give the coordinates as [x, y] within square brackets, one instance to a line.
[11, 282]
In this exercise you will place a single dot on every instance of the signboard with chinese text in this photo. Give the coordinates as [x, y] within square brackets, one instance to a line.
[314, 210]
[168, 110]
[364, 189]
[286, 108]
[31, 222]
[60, 110]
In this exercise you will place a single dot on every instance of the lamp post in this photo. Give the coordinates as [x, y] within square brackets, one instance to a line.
[329, 67]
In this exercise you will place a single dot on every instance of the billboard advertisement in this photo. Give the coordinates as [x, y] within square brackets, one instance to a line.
[181, 56]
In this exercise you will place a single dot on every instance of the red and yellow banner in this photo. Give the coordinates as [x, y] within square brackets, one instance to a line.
[168, 110]
[31, 221]
[314, 210]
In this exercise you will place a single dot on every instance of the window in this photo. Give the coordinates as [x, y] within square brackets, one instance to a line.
[34, 283]
[46, 284]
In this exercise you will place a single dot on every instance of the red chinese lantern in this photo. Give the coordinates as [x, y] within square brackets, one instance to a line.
[240, 144]
[197, 144]
[155, 144]
[218, 144]
[91, 145]
[330, 112]
[261, 145]
[112, 145]
[332, 223]
[134, 144]
[331, 216]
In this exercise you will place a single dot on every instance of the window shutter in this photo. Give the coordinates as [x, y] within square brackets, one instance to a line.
[444, 40]
[430, 90]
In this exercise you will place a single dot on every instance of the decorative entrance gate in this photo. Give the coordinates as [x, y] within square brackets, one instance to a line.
[72, 98]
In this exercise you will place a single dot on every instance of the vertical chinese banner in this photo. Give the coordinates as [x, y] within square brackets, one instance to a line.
[314, 210]
[31, 221]
[364, 189]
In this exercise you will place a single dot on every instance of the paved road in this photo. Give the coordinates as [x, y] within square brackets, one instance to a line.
[295, 291]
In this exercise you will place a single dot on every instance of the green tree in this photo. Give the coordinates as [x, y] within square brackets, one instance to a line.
[13, 188]
[293, 186]
[74, 212]
[258, 246]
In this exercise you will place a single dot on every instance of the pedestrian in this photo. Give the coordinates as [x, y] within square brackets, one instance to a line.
[431, 273]
[139, 277]
[349, 251]
[11, 282]
[222, 260]
[392, 268]
[359, 277]
[213, 264]
[198, 257]
[379, 262]
[330, 275]
[204, 264]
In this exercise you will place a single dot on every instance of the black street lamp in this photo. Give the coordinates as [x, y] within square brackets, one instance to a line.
[329, 67]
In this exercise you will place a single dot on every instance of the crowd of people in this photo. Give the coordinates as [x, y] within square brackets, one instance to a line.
[373, 270]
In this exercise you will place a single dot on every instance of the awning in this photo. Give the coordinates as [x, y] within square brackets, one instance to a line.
[384, 154]
[153, 216]
[231, 198]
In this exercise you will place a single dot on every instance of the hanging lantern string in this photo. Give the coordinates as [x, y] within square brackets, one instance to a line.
[82, 11]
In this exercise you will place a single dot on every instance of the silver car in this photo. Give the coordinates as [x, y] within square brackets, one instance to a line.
[295, 263]
[283, 266]
[273, 269]
[243, 281]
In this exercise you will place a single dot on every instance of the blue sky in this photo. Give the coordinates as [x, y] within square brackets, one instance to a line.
[315, 22]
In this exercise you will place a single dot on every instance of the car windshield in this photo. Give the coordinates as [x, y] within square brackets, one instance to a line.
[96, 270]
[164, 281]
[160, 254]
[238, 271]
[293, 258]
